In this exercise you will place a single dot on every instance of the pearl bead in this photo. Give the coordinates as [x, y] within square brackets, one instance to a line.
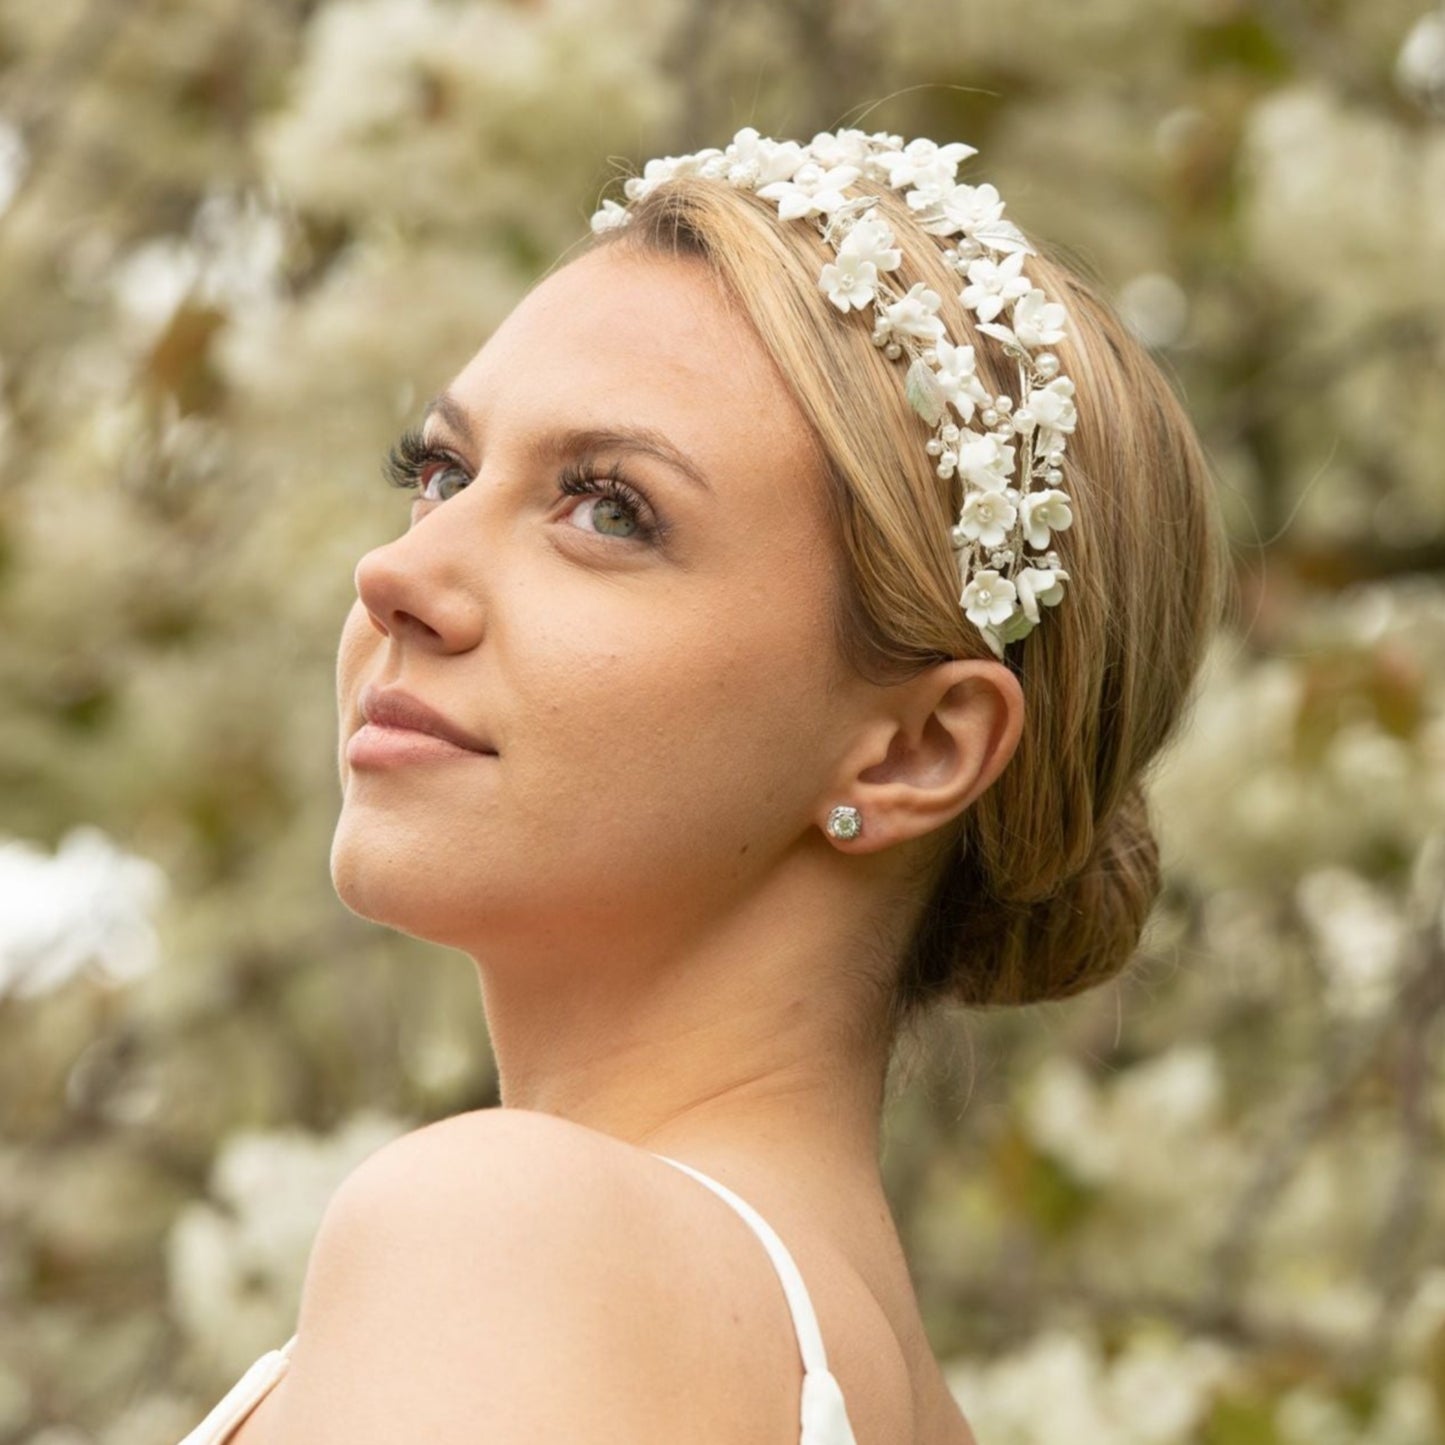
[1053, 476]
[933, 446]
[1023, 419]
[945, 469]
[1003, 404]
[989, 416]
[950, 433]
[1055, 458]
[949, 459]
[893, 351]
[1046, 363]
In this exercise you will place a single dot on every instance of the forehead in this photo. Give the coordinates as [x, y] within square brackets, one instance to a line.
[615, 338]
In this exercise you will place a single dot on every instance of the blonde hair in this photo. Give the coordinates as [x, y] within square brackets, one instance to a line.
[1042, 887]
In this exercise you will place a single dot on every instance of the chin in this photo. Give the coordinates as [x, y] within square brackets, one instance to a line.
[381, 874]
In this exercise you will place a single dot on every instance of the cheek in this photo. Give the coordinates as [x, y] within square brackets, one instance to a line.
[712, 717]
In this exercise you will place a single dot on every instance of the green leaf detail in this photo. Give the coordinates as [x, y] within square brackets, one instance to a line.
[925, 395]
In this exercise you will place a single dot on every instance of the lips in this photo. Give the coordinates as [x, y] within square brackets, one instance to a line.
[393, 708]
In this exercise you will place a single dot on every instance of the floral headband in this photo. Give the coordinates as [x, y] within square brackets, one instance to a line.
[1002, 584]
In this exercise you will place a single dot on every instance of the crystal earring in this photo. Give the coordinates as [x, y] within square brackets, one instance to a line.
[844, 822]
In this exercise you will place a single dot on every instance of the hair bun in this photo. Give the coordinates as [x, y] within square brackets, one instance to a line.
[1085, 932]
[997, 951]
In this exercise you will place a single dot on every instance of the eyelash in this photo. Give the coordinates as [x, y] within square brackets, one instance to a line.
[411, 455]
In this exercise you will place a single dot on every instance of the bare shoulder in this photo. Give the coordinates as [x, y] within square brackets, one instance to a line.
[510, 1275]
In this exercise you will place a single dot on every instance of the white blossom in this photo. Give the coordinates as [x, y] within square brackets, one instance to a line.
[1420, 63]
[957, 378]
[871, 239]
[986, 517]
[841, 148]
[87, 907]
[609, 216]
[849, 282]
[1053, 405]
[993, 284]
[989, 598]
[984, 461]
[926, 168]
[755, 160]
[924, 163]
[1045, 511]
[1037, 320]
[914, 314]
[812, 191]
[1039, 584]
[966, 209]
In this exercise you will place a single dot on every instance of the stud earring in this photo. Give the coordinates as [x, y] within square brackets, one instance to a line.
[844, 822]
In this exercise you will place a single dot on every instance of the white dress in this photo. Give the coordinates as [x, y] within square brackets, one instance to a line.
[823, 1416]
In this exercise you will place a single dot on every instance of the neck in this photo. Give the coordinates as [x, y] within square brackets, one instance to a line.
[695, 1035]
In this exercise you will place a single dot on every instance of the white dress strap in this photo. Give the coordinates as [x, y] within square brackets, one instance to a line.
[824, 1415]
[243, 1397]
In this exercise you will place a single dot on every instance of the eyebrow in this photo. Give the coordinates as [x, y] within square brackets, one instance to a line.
[569, 441]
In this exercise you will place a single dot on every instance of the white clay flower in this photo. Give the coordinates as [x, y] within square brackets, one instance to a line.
[841, 148]
[984, 462]
[610, 216]
[1053, 405]
[993, 284]
[966, 208]
[986, 518]
[1037, 321]
[957, 379]
[870, 239]
[812, 191]
[988, 600]
[1043, 512]
[755, 161]
[1039, 584]
[914, 314]
[849, 282]
[654, 173]
[927, 170]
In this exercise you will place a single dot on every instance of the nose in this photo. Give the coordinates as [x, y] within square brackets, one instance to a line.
[414, 591]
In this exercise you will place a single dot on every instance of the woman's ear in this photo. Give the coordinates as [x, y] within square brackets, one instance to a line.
[932, 746]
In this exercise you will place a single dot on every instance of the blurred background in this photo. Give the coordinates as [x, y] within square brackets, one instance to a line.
[241, 241]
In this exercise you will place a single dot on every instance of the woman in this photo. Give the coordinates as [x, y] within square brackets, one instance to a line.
[795, 591]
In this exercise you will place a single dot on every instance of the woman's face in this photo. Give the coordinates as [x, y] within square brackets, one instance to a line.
[660, 684]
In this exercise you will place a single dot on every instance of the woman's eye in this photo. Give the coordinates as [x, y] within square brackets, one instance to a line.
[438, 474]
[612, 501]
[413, 463]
